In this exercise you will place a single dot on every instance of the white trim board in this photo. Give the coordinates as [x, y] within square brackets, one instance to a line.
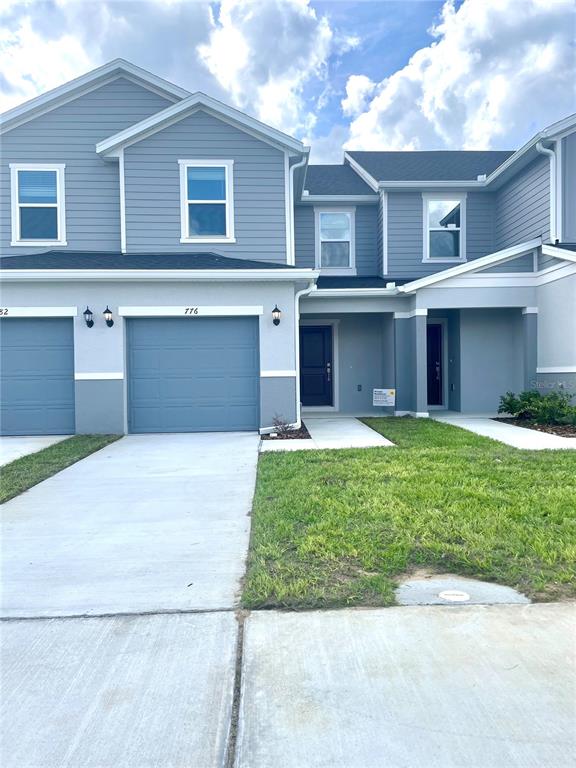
[99, 376]
[8, 311]
[557, 369]
[190, 311]
[277, 374]
[159, 275]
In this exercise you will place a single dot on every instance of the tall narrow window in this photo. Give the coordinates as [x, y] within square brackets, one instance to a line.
[443, 220]
[206, 205]
[335, 240]
[37, 205]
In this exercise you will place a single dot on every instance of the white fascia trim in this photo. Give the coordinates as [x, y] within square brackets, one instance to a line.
[558, 252]
[345, 293]
[339, 199]
[557, 369]
[477, 264]
[98, 376]
[16, 241]
[188, 105]
[84, 84]
[364, 175]
[228, 166]
[511, 279]
[175, 275]
[8, 311]
[530, 310]
[426, 198]
[277, 374]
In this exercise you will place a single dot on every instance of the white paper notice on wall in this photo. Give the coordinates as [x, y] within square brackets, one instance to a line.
[384, 397]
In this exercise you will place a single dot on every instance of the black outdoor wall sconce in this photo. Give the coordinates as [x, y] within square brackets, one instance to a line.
[108, 317]
[88, 317]
[276, 315]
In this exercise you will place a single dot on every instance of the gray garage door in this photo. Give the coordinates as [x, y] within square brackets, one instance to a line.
[193, 374]
[37, 376]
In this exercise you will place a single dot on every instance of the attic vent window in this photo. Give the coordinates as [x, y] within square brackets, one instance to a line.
[206, 190]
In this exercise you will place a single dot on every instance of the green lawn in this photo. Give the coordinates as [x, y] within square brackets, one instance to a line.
[23, 473]
[334, 528]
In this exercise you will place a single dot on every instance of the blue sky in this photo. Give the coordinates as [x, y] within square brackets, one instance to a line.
[416, 74]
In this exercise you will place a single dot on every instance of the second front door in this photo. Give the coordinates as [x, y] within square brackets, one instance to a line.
[316, 365]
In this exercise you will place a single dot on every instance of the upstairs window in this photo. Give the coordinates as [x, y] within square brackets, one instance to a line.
[37, 204]
[444, 218]
[206, 201]
[335, 240]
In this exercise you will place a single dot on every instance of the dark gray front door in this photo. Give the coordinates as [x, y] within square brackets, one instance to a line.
[316, 365]
[434, 363]
[37, 376]
[193, 374]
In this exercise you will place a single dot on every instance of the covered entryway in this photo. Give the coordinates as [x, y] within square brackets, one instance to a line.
[37, 376]
[193, 374]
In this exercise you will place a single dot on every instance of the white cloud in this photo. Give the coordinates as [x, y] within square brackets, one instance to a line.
[265, 53]
[498, 71]
[359, 89]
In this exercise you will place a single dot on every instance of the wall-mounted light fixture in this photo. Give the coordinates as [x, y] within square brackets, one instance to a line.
[108, 317]
[88, 317]
[276, 315]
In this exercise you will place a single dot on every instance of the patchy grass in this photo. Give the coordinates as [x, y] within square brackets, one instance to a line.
[30, 470]
[337, 528]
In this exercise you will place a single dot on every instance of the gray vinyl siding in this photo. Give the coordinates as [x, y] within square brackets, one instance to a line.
[304, 238]
[68, 134]
[152, 184]
[405, 242]
[568, 234]
[379, 238]
[366, 238]
[523, 206]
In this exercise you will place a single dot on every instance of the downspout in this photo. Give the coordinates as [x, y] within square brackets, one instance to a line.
[553, 202]
[304, 292]
[292, 254]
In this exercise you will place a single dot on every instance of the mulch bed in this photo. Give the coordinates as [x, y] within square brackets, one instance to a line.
[563, 430]
[293, 434]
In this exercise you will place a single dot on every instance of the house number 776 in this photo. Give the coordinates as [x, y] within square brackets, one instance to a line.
[191, 310]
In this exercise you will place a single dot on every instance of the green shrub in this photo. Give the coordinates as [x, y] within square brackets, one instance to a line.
[551, 408]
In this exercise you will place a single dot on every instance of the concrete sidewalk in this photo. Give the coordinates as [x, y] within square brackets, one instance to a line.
[425, 687]
[510, 434]
[338, 432]
[12, 448]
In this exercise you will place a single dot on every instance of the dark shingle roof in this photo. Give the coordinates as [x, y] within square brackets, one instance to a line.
[429, 166]
[100, 260]
[327, 282]
[335, 180]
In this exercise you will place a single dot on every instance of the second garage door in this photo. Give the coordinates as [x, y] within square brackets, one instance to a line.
[193, 374]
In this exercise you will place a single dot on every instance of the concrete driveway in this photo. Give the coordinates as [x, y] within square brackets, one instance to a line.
[150, 523]
[12, 448]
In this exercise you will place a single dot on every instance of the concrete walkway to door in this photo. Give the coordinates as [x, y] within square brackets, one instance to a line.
[150, 523]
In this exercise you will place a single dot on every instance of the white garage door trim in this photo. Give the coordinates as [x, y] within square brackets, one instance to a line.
[190, 311]
[38, 311]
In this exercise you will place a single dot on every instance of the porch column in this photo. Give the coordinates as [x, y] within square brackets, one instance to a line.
[410, 362]
[530, 345]
[419, 322]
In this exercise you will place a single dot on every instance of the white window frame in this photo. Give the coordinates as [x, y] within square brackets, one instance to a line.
[351, 268]
[228, 166]
[60, 204]
[461, 198]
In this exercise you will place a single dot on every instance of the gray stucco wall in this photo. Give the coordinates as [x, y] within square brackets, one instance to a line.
[68, 134]
[569, 189]
[366, 237]
[152, 179]
[365, 358]
[523, 206]
[101, 403]
[557, 323]
[491, 355]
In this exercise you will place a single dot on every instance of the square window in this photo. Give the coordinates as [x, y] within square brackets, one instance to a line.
[37, 187]
[206, 183]
[206, 219]
[38, 223]
[334, 254]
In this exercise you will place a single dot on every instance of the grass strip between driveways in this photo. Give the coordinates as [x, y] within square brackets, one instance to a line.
[23, 473]
[341, 527]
